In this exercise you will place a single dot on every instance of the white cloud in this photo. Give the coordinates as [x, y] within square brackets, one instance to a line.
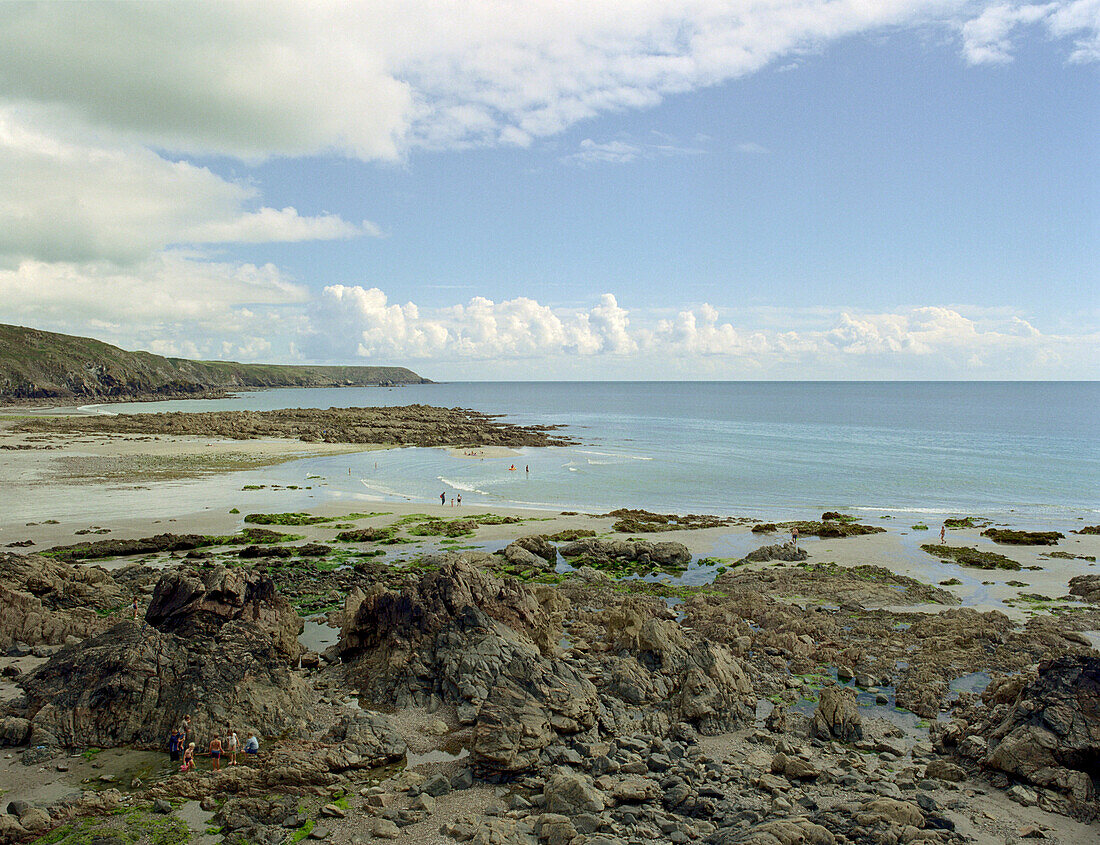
[362, 321]
[371, 80]
[71, 200]
[923, 342]
[986, 38]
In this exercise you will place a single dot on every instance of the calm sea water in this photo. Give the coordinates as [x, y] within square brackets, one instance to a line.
[1022, 451]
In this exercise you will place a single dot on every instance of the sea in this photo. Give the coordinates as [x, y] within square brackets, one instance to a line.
[1026, 453]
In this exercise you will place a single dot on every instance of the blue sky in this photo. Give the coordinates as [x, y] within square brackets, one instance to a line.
[817, 195]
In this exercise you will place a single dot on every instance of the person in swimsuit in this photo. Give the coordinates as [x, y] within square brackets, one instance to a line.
[443, 498]
[231, 746]
[188, 758]
[794, 537]
[216, 753]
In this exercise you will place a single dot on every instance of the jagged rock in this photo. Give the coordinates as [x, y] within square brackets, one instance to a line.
[224, 656]
[518, 555]
[370, 737]
[46, 601]
[944, 770]
[660, 555]
[191, 604]
[684, 680]
[538, 544]
[837, 716]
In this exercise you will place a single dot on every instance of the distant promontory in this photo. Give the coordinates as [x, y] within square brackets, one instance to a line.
[36, 365]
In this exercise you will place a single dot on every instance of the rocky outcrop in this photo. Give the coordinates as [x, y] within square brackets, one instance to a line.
[223, 655]
[44, 601]
[670, 678]
[1045, 732]
[413, 425]
[633, 555]
[786, 552]
[1087, 587]
[195, 604]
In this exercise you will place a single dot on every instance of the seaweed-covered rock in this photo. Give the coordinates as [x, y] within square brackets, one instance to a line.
[786, 552]
[627, 555]
[1086, 586]
[1023, 538]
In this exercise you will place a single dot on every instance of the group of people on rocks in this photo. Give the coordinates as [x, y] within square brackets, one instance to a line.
[181, 746]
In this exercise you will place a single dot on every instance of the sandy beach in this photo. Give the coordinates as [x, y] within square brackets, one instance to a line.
[133, 513]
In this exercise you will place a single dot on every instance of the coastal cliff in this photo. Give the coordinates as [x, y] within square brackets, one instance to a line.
[37, 364]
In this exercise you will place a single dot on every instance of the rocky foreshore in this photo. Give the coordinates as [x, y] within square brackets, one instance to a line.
[407, 425]
[541, 694]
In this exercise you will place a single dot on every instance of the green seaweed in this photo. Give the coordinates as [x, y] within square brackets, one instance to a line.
[965, 556]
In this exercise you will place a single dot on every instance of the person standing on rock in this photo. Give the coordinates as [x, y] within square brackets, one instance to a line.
[216, 753]
[135, 606]
[231, 746]
[185, 730]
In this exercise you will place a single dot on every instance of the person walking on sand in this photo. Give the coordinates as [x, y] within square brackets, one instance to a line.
[188, 758]
[460, 500]
[443, 498]
[216, 753]
[943, 534]
[794, 536]
[231, 744]
[527, 468]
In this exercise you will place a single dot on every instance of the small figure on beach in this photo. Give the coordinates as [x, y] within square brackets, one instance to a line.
[443, 498]
[460, 500]
[174, 745]
[252, 745]
[527, 469]
[794, 537]
[135, 607]
[231, 744]
[512, 468]
[216, 753]
[943, 534]
[188, 758]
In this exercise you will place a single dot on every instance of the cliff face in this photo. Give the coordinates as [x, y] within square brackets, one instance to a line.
[43, 365]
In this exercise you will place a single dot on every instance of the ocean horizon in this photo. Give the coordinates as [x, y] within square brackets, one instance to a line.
[1020, 451]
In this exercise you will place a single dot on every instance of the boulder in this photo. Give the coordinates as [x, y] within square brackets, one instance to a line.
[785, 552]
[570, 794]
[837, 716]
[224, 654]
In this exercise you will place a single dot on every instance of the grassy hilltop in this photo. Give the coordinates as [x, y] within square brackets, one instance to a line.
[44, 365]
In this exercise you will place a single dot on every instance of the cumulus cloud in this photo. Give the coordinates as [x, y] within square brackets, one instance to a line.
[364, 322]
[371, 80]
[70, 200]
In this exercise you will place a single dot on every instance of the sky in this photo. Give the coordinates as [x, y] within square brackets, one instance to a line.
[550, 189]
